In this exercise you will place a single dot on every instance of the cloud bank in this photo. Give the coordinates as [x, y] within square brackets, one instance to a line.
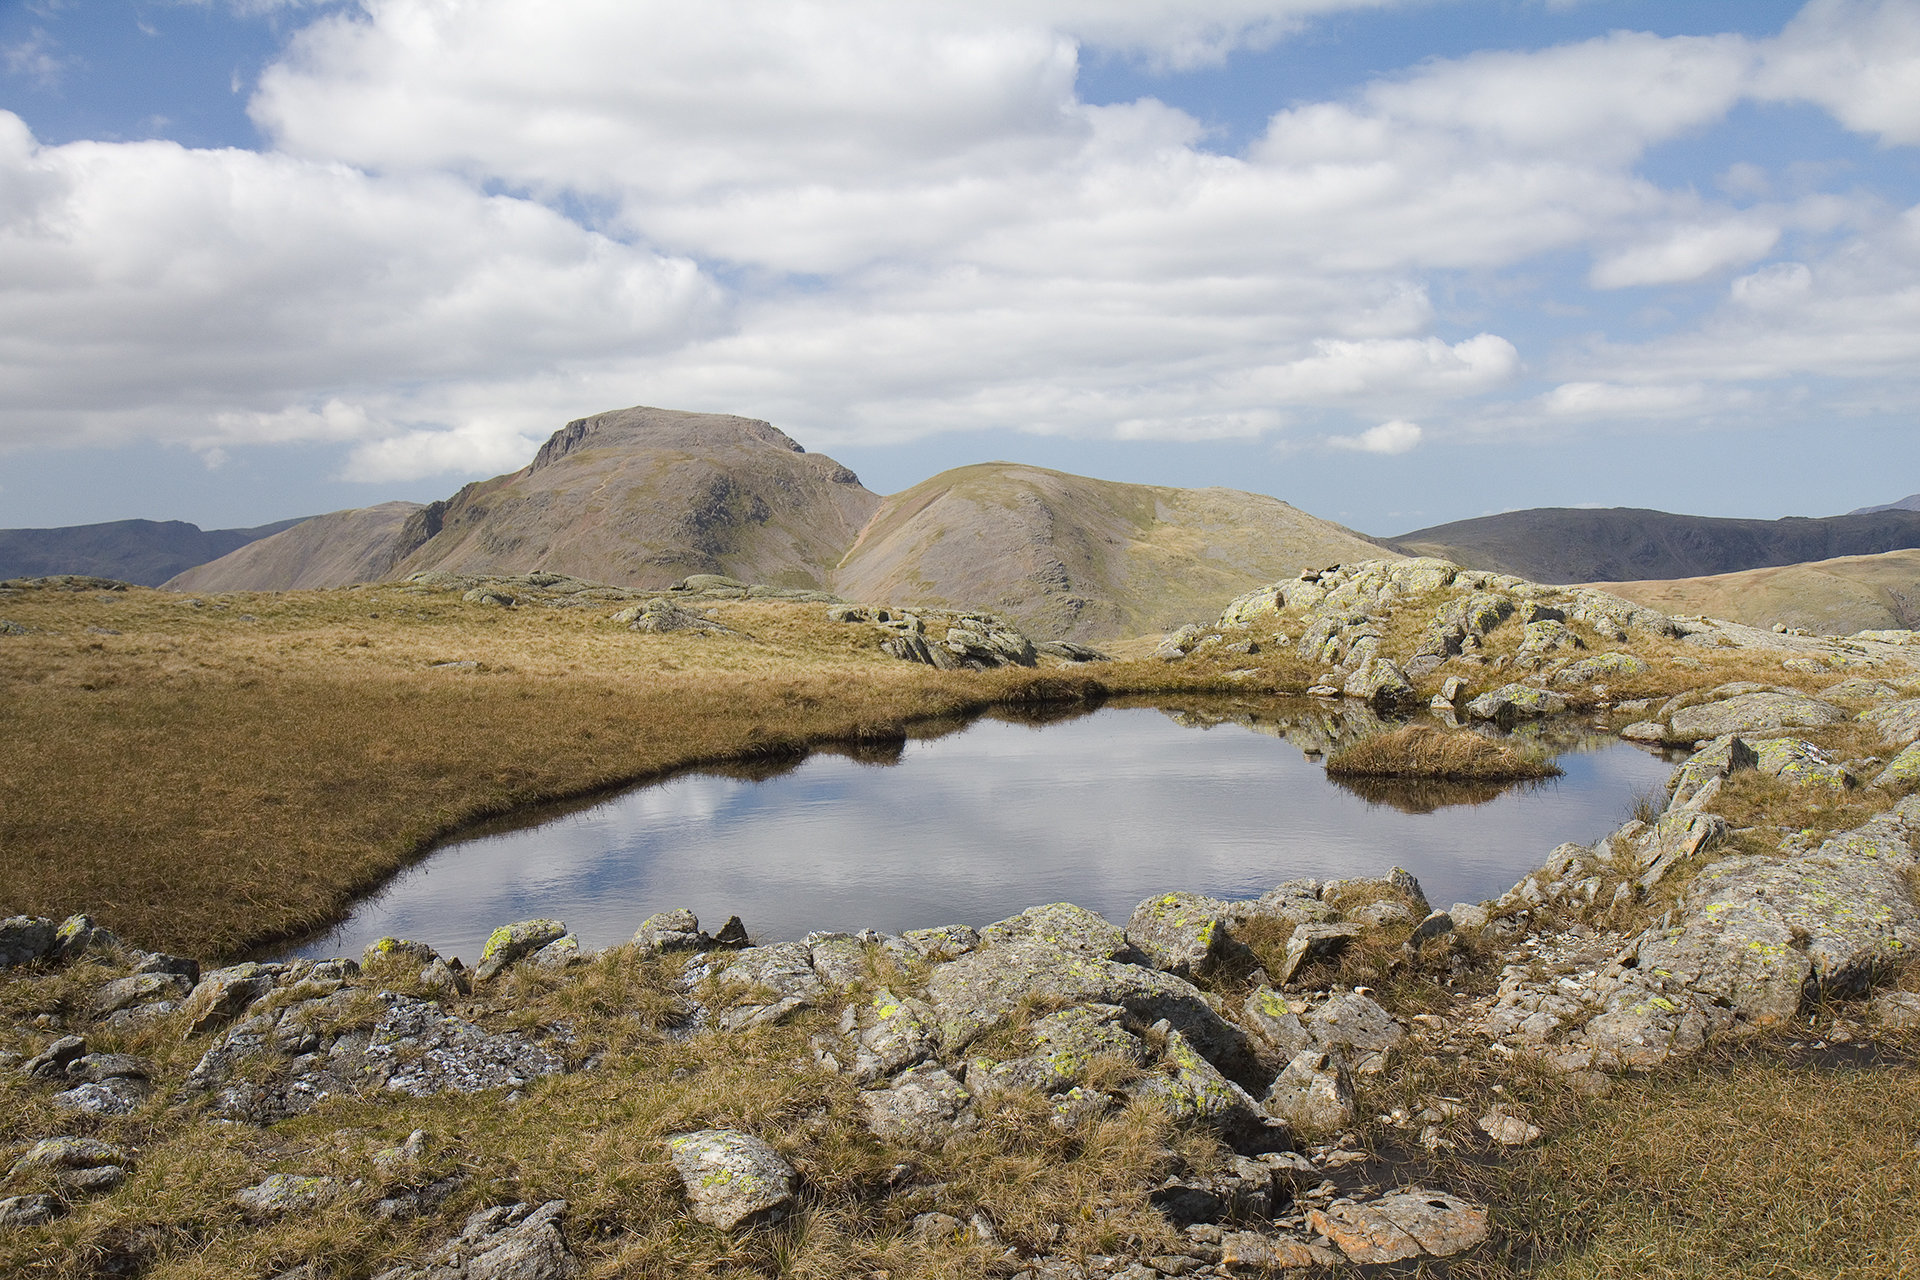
[871, 221]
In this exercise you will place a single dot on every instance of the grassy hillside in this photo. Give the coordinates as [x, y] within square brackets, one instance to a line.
[1828, 597]
[357, 545]
[1624, 544]
[1072, 557]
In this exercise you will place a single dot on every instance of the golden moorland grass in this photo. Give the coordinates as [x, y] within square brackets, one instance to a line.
[209, 777]
[1427, 751]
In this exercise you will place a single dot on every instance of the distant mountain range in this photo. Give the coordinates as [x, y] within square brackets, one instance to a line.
[1622, 544]
[643, 497]
[146, 552]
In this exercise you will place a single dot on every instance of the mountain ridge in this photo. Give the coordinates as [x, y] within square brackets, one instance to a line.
[143, 552]
[1624, 544]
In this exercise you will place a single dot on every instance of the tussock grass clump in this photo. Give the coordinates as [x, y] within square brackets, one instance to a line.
[1426, 751]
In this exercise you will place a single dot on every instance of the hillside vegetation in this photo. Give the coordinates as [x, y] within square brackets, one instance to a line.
[1079, 558]
[1828, 597]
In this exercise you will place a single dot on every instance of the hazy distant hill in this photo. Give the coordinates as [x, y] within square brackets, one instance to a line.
[1073, 557]
[147, 552]
[638, 497]
[1619, 544]
[356, 545]
[1909, 503]
[1829, 597]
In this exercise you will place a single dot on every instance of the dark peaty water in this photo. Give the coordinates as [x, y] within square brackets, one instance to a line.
[1102, 810]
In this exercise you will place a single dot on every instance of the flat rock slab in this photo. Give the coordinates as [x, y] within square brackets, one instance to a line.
[1752, 713]
[732, 1179]
[1397, 1227]
[419, 1049]
[1897, 722]
[923, 1107]
[987, 986]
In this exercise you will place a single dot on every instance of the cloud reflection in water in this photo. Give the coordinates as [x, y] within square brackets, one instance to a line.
[1102, 810]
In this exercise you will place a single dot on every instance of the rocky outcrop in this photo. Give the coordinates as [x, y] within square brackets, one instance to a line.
[951, 639]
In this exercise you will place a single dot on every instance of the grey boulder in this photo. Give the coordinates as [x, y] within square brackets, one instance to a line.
[732, 1179]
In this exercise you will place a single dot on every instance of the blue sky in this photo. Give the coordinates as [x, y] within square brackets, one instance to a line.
[1395, 261]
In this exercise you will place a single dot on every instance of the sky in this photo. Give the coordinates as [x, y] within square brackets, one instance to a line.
[1397, 262]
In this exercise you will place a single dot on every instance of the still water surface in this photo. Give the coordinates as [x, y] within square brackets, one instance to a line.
[1102, 810]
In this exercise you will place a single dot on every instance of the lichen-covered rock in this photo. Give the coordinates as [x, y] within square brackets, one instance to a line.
[1903, 770]
[285, 1193]
[1406, 1225]
[512, 942]
[418, 1048]
[1312, 1093]
[923, 1107]
[1756, 938]
[897, 1033]
[1515, 702]
[732, 1179]
[81, 1166]
[1313, 944]
[1751, 713]
[29, 1211]
[1898, 723]
[767, 984]
[401, 953]
[1601, 666]
[1070, 1039]
[139, 988]
[1381, 684]
[1717, 759]
[507, 1242]
[1352, 1020]
[221, 995]
[116, 1096]
[51, 1063]
[1272, 1023]
[943, 943]
[25, 939]
[1192, 1088]
[77, 935]
[1183, 933]
[987, 986]
[1296, 902]
[1801, 764]
[675, 930]
[1061, 926]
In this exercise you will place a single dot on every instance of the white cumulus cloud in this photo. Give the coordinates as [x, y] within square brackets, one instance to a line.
[1389, 437]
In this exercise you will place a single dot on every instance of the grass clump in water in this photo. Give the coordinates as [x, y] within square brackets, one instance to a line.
[1426, 751]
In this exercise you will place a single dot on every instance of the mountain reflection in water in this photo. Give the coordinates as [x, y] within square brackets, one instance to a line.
[968, 822]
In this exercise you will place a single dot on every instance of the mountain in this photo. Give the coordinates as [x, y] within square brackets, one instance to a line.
[1621, 544]
[643, 497]
[1827, 597]
[1909, 503]
[357, 545]
[637, 497]
[1071, 557]
[146, 552]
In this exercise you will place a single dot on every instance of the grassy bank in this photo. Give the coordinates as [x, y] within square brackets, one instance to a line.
[207, 777]
[1425, 751]
[210, 775]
